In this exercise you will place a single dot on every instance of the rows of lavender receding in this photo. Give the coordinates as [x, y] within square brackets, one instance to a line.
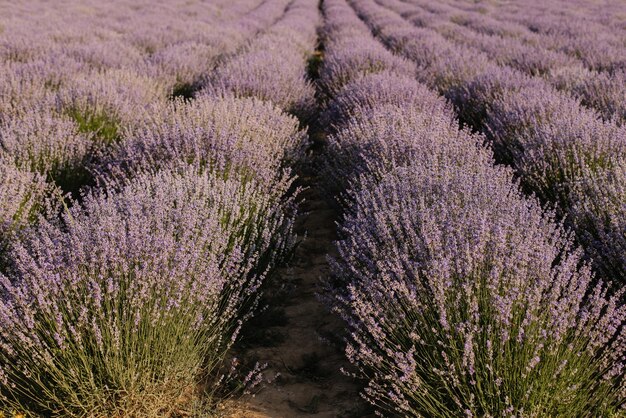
[584, 16]
[69, 93]
[137, 229]
[597, 44]
[463, 297]
[604, 91]
[562, 152]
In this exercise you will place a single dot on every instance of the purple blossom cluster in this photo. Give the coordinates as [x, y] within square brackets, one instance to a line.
[482, 91]
[598, 89]
[567, 156]
[365, 57]
[523, 51]
[101, 82]
[560, 26]
[463, 297]
[49, 144]
[23, 195]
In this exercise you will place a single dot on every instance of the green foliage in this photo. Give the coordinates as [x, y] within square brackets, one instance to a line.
[105, 127]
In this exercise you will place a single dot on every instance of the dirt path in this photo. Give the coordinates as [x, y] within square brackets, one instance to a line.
[297, 337]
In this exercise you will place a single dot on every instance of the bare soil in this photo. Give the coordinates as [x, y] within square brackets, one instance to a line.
[297, 336]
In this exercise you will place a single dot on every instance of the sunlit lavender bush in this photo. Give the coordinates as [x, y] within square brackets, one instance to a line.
[161, 137]
[567, 156]
[249, 75]
[378, 90]
[103, 103]
[464, 300]
[383, 137]
[226, 135]
[474, 98]
[129, 302]
[559, 148]
[549, 140]
[49, 144]
[598, 213]
[604, 92]
[462, 297]
[364, 59]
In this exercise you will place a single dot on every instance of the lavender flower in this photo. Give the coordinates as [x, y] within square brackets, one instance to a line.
[273, 66]
[23, 195]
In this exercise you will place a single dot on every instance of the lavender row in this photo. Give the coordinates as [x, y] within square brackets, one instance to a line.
[603, 91]
[127, 304]
[580, 12]
[149, 280]
[173, 58]
[462, 297]
[273, 67]
[565, 154]
[599, 46]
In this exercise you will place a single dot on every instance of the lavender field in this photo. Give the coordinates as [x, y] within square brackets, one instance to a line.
[325, 208]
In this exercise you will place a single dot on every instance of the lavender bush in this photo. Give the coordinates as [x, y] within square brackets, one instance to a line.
[463, 299]
[226, 135]
[550, 141]
[598, 212]
[478, 90]
[377, 90]
[524, 53]
[462, 296]
[386, 136]
[103, 103]
[566, 156]
[133, 298]
[48, 144]
[127, 304]
[273, 66]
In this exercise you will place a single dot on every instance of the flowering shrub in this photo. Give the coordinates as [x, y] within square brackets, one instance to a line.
[463, 299]
[550, 141]
[598, 90]
[135, 295]
[127, 304]
[102, 103]
[273, 67]
[384, 137]
[48, 144]
[567, 157]
[525, 52]
[379, 90]
[598, 214]
[147, 192]
[521, 115]
[222, 134]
